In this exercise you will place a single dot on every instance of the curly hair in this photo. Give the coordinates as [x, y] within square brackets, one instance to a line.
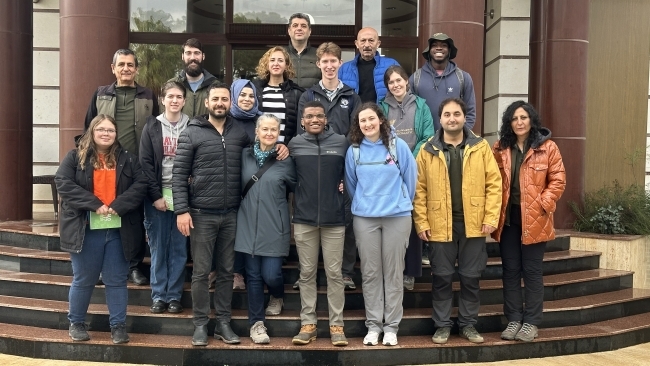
[355, 134]
[507, 137]
[86, 148]
[262, 68]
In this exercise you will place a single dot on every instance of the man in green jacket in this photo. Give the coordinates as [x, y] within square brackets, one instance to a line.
[303, 55]
[195, 78]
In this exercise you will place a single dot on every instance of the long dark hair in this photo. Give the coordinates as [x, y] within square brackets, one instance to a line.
[507, 137]
[356, 136]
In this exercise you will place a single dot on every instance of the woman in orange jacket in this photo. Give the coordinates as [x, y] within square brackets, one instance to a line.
[533, 179]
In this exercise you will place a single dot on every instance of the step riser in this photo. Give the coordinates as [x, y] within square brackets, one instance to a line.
[30, 241]
[288, 328]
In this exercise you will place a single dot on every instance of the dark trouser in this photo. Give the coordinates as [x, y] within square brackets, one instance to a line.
[349, 244]
[472, 259]
[521, 261]
[413, 256]
[136, 261]
[261, 270]
[212, 235]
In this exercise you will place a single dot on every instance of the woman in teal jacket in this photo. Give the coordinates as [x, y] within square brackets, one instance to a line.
[411, 118]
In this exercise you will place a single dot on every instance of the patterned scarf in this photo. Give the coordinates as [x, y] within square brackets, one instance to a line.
[260, 155]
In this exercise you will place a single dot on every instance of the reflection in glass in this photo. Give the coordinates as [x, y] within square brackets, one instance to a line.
[279, 11]
[245, 62]
[391, 17]
[177, 16]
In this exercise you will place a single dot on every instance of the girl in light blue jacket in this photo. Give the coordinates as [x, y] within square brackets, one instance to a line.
[380, 176]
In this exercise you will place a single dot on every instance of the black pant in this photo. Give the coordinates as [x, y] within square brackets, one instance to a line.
[521, 261]
[413, 257]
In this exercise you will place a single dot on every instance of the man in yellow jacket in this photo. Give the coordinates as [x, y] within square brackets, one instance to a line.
[457, 204]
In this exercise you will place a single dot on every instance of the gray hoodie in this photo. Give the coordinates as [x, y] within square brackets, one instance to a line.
[169, 141]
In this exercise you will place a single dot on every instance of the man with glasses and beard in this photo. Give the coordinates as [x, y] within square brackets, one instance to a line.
[195, 78]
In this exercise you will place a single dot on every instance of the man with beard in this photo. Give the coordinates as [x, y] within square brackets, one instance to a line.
[440, 79]
[209, 155]
[130, 104]
[194, 77]
[365, 73]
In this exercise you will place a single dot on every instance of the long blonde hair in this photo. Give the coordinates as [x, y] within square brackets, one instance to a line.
[262, 68]
[87, 148]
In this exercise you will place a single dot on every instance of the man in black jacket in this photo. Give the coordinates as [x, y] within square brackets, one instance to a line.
[208, 156]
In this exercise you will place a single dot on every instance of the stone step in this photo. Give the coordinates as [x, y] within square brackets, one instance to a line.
[601, 336]
[58, 263]
[567, 312]
[556, 287]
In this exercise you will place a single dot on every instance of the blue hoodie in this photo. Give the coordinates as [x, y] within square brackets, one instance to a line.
[378, 188]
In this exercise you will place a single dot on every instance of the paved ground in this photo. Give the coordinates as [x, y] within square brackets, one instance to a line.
[631, 356]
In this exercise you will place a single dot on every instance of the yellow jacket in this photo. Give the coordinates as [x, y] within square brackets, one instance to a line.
[481, 188]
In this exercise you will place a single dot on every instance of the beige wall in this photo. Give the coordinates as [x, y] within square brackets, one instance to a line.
[506, 60]
[46, 98]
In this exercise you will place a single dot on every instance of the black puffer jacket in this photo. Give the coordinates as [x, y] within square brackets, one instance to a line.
[211, 162]
[292, 93]
[77, 198]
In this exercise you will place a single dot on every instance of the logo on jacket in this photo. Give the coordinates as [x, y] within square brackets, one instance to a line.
[344, 103]
[450, 90]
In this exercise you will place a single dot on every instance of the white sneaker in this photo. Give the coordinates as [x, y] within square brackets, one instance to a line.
[258, 333]
[275, 306]
[371, 339]
[390, 339]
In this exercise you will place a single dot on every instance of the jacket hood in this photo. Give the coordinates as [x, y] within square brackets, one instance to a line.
[392, 102]
[544, 134]
[202, 121]
[208, 78]
[450, 69]
[321, 136]
[185, 120]
[436, 141]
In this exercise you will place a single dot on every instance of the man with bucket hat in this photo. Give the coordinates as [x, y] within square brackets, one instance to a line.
[440, 79]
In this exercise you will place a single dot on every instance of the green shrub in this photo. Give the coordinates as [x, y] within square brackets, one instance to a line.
[614, 210]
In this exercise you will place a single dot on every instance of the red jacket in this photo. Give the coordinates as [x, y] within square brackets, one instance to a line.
[542, 180]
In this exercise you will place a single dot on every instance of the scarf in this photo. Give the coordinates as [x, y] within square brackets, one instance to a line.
[237, 112]
[260, 155]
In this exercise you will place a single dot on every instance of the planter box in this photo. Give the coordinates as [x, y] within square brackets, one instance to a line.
[622, 252]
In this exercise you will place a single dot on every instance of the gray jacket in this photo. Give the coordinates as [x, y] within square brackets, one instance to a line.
[307, 73]
[263, 222]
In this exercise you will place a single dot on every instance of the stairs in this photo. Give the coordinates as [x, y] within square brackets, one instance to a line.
[586, 309]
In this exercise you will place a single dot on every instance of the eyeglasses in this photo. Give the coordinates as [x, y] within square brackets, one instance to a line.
[102, 131]
[312, 116]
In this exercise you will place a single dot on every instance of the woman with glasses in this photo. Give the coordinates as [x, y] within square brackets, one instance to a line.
[101, 188]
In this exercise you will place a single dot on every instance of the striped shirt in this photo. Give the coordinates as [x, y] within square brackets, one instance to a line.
[273, 103]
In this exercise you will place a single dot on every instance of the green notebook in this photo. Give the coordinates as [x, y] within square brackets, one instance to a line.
[104, 221]
[167, 195]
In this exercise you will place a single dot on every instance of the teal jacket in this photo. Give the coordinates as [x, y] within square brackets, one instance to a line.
[423, 121]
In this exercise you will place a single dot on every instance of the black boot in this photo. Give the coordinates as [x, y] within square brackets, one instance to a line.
[224, 332]
[200, 337]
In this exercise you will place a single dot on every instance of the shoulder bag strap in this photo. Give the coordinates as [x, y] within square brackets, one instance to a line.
[267, 164]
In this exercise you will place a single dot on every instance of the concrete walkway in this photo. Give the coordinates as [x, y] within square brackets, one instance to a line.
[631, 356]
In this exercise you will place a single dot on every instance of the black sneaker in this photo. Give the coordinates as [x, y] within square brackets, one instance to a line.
[78, 332]
[118, 334]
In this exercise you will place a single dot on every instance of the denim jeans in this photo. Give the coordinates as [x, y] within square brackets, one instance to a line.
[261, 270]
[168, 253]
[101, 252]
[213, 234]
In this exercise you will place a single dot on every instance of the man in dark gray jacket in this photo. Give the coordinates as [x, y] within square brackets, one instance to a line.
[303, 55]
[208, 156]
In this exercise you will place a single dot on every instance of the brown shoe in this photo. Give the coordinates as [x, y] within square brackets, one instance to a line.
[337, 336]
[307, 334]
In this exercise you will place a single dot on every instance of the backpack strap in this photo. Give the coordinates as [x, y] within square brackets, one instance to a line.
[461, 81]
[416, 80]
[355, 153]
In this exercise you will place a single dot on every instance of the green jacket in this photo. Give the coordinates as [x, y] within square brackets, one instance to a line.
[423, 121]
[195, 101]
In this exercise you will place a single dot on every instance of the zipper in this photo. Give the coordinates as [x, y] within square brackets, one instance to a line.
[225, 169]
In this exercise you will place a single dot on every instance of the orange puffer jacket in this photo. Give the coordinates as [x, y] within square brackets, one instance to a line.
[542, 180]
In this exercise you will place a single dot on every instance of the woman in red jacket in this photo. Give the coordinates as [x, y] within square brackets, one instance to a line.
[533, 179]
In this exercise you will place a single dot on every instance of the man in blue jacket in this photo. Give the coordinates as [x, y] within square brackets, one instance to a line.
[365, 73]
[440, 79]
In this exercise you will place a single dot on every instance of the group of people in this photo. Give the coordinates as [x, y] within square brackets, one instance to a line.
[373, 160]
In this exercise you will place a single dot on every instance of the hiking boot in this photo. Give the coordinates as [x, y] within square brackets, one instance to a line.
[409, 283]
[511, 331]
[275, 306]
[258, 333]
[296, 285]
[118, 334]
[238, 283]
[224, 332]
[442, 335]
[349, 284]
[307, 334]
[390, 339]
[527, 333]
[78, 332]
[338, 336]
[371, 339]
[471, 334]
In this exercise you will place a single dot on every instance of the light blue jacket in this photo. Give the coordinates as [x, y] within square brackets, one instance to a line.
[379, 188]
[349, 74]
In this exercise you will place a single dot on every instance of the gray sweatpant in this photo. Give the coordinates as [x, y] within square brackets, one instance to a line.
[382, 243]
